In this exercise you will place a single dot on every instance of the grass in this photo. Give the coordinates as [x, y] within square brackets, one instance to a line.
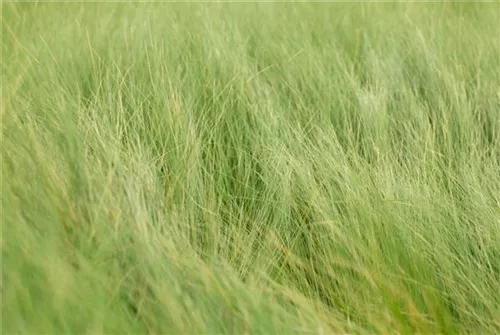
[250, 168]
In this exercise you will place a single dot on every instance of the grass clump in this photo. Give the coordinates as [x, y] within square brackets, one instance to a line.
[250, 168]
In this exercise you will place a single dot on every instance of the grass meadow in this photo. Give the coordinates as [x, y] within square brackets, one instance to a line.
[250, 168]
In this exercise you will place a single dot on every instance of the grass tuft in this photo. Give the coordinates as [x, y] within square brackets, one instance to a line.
[305, 168]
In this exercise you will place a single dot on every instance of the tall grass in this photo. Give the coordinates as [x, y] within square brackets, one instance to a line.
[188, 168]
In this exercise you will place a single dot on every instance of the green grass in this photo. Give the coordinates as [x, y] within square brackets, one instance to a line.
[250, 168]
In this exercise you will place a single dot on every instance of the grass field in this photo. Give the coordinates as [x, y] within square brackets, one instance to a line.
[250, 168]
